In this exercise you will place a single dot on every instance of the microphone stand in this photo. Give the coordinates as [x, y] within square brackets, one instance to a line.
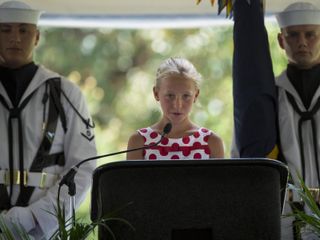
[68, 179]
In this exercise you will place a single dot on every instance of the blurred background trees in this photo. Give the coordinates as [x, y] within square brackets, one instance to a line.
[116, 71]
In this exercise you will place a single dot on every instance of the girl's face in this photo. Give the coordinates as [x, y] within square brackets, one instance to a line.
[176, 96]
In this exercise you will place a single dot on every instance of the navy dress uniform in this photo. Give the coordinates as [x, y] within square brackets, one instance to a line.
[299, 114]
[45, 128]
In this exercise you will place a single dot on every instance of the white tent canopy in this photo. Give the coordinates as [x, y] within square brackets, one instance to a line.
[138, 13]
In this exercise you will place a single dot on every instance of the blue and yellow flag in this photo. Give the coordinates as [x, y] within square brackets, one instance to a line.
[254, 90]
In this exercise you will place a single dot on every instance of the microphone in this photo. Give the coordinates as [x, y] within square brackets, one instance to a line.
[68, 178]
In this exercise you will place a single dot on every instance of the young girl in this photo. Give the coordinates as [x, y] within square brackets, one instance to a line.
[176, 89]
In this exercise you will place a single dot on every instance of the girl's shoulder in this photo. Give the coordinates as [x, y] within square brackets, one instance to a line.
[200, 132]
[213, 140]
[203, 130]
[209, 134]
[216, 145]
[136, 137]
[145, 130]
[148, 132]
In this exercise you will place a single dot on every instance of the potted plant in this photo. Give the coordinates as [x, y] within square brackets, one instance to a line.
[308, 220]
[67, 230]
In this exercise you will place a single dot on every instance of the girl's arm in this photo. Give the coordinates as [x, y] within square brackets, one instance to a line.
[135, 141]
[216, 146]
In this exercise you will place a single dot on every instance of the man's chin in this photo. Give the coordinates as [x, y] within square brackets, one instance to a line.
[12, 63]
[304, 63]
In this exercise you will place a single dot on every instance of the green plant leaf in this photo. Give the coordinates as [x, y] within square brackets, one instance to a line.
[10, 233]
[80, 230]
[310, 220]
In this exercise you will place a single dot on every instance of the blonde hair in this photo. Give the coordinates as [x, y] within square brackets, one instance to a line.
[178, 66]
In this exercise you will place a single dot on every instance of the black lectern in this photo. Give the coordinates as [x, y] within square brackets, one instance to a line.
[229, 199]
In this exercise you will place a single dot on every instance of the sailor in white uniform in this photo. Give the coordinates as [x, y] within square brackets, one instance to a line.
[45, 128]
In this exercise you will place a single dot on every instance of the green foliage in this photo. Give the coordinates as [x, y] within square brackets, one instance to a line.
[311, 218]
[69, 229]
[8, 233]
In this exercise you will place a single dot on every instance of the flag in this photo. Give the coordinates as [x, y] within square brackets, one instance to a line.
[254, 90]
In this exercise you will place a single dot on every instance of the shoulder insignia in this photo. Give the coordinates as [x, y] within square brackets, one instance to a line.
[88, 136]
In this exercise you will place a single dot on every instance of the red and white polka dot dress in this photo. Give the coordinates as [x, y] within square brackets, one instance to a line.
[194, 146]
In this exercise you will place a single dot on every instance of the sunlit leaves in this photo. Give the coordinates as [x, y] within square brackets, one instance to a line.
[227, 4]
[212, 2]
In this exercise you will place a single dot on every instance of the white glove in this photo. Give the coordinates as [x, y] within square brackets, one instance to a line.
[23, 216]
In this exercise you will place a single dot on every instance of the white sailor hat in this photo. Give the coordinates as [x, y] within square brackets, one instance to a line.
[299, 13]
[18, 12]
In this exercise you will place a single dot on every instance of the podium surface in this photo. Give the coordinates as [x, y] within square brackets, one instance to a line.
[238, 199]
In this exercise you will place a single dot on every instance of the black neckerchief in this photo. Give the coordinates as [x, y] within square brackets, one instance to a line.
[16, 81]
[305, 81]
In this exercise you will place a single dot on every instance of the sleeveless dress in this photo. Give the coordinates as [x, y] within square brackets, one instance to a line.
[194, 146]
